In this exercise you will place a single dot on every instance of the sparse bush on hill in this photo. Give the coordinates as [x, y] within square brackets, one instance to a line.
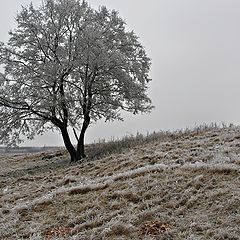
[118, 145]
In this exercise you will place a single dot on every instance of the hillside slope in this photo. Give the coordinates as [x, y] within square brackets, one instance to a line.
[184, 185]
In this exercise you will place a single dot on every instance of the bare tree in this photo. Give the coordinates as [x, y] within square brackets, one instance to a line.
[67, 65]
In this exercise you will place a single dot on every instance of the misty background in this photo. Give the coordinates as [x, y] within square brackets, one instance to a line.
[195, 50]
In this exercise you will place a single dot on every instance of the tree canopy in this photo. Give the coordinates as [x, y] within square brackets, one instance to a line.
[66, 65]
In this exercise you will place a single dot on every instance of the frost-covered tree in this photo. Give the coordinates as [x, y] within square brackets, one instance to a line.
[65, 66]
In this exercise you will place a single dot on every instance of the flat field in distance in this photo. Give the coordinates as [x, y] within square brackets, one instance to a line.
[181, 185]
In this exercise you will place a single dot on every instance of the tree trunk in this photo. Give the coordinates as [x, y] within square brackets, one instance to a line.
[80, 146]
[68, 144]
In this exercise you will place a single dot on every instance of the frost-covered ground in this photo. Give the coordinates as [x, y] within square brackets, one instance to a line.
[184, 185]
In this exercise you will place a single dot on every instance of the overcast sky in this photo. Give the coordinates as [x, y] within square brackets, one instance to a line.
[195, 50]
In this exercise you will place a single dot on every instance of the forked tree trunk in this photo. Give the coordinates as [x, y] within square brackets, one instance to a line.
[68, 144]
[79, 153]
[80, 146]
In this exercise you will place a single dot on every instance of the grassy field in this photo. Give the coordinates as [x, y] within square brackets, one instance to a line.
[181, 185]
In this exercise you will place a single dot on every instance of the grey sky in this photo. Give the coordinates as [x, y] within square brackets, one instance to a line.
[195, 50]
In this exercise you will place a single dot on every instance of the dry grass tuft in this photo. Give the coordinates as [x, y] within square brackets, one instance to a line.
[154, 228]
[119, 229]
[86, 189]
[57, 232]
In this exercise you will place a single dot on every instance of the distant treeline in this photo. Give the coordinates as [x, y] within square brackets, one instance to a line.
[24, 149]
